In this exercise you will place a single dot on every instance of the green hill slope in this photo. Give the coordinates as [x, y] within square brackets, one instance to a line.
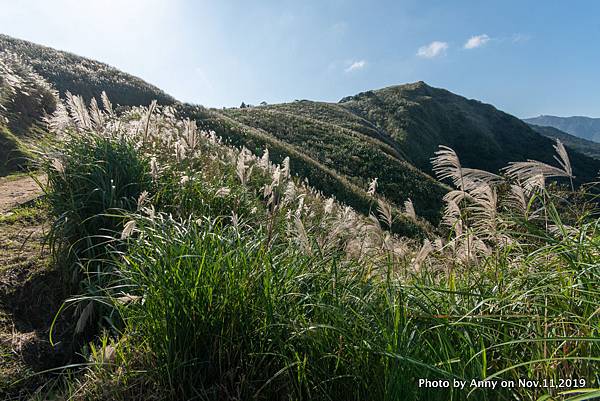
[348, 146]
[391, 134]
[82, 76]
[420, 118]
[25, 98]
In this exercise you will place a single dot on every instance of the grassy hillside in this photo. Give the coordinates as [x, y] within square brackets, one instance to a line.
[25, 98]
[582, 127]
[583, 146]
[419, 118]
[348, 146]
[200, 271]
[82, 76]
[390, 134]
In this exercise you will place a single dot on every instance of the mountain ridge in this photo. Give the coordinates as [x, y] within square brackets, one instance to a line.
[583, 146]
[83, 76]
[391, 133]
[580, 126]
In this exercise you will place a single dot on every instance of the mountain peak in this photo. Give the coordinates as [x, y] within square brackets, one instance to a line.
[418, 86]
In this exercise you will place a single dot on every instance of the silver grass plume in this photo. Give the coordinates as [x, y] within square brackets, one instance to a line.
[328, 207]
[446, 165]
[154, 168]
[452, 214]
[264, 160]
[222, 192]
[518, 198]
[285, 170]
[385, 212]
[148, 118]
[128, 229]
[290, 193]
[409, 209]
[180, 153]
[78, 111]
[483, 210]
[532, 172]
[243, 171]
[96, 115]
[372, 187]
[106, 104]
[60, 121]
[563, 158]
[422, 255]
[301, 236]
[191, 134]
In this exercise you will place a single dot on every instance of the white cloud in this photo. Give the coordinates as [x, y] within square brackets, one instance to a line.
[476, 41]
[356, 65]
[433, 49]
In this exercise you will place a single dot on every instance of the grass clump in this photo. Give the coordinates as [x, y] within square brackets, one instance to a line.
[91, 180]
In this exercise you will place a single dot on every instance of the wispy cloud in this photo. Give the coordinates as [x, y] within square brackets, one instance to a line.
[520, 37]
[433, 49]
[203, 78]
[339, 28]
[477, 41]
[356, 65]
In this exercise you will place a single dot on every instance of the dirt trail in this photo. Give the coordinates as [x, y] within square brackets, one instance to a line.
[31, 292]
[16, 191]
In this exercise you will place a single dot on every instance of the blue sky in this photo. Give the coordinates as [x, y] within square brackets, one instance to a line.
[525, 57]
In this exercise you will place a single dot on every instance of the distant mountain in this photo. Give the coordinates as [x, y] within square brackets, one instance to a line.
[580, 145]
[82, 76]
[582, 127]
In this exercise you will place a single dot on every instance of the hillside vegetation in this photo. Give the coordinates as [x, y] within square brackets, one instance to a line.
[207, 272]
[25, 98]
[68, 72]
[420, 118]
[343, 143]
[582, 127]
[390, 134]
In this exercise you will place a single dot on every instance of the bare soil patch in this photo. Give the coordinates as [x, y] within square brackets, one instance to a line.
[16, 191]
